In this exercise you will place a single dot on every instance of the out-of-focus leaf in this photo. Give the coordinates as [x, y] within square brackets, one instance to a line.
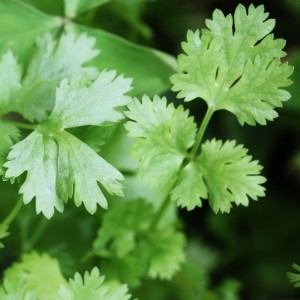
[54, 7]
[149, 68]
[294, 89]
[21, 24]
[75, 7]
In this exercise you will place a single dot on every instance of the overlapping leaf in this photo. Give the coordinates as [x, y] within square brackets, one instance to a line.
[235, 65]
[26, 281]
[91, 286]
[9, 135]
[131, 251]
[10, 79]
[22, 24]
[222, 173]
[166, 253]
[33, 272]
[52, 61]
[78, 103]
[58, 165]
[163, 134]
[36, 155]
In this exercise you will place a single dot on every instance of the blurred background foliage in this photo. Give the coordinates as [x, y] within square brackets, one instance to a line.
[243, 255]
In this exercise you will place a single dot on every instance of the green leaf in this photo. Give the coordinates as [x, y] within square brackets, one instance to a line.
[78, 104]
[163, 134]
[60, 168]
[150, 75]
[295, 277]
[21, 25]
[235, 65]
[9, 135]
[16, 291]
[129, 250]
[190, 187]
[76, 7]
[166, 253]
[92, 287]
[52, 61]
[33, 272]
[231, 176]
[10, 79]
[79, 171]
[36, 155]
[120, 227]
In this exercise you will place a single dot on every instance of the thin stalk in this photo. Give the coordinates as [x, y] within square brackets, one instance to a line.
[37, 234]
[22, 125]
[13, 213]
[201, 131]
[160, 212]
[165, 204]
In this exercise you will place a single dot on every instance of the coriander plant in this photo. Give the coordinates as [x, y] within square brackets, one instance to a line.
[82, 122]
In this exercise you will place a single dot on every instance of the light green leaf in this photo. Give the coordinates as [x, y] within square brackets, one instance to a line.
[38, 277]
[33, 272]
[16, 291]
[52, 61]
[79, 171]
[121, 225]
[76, 7]
[190, 188]
[36, 155]
[294, 277]
[163, 134]
[60, 168]
[78, 104]
[129, 250]
[235, 65]
[9, 135]
[21, 25]
[231, 176]
[92, 287]
[10, 78]
[166, 253]
[150, 75]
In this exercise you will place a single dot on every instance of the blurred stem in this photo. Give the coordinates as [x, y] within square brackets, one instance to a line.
[22, 125]
[160, 212]
[202, 129]
[13, 213]
[36, 234]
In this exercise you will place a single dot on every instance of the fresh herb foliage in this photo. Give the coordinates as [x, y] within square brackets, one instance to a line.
[62, 117]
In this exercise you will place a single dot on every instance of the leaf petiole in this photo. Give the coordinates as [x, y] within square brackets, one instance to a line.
[201, 131]
[22, 125]
[13, 213]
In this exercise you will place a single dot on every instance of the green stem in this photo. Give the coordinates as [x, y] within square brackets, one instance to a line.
[36, 234]
[201, 131]
[160, 212]
[13, 213]
[22, 125]
[162, 209]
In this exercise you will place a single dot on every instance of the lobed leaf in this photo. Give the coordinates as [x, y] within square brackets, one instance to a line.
[235, 65]
[231, 176]
[162, 136]
[78, 104]
[52, 61]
